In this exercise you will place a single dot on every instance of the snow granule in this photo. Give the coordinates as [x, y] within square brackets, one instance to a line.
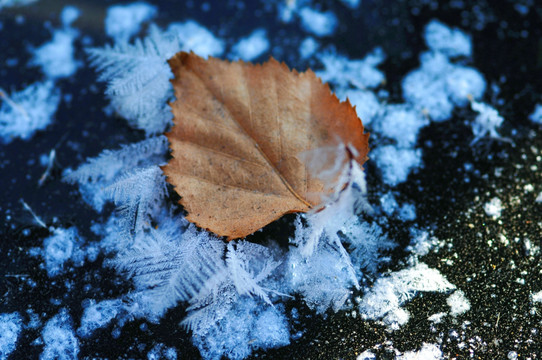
[536, 115]
[98, 315]
[10, 329]
[23, 113]
[458, 303]
[402, 124]
[493, 208]
[252, 46]
[308, 47]
[396, 164]
[124, 21]
[427, 352]
[450, 42]
[318, 23]
[59, 339]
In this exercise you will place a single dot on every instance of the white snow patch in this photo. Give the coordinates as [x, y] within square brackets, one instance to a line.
[366, 355]
[402, 124]
[252, 46]
[161, 352]
[10, 328]
[536, 115]
[124, 21]
[458, 303]
[537, 297]
[437, 318]
[493, 208]
[196, 38]
[318, 23]
[396, 164]
[308, 47]
[427, 352]
[56, 57]
[98, 315]
[27, 111]
[451, 42]
[343, 72]
[486, 122]
[539, 198]
[366, 103]
[61, 246]
[59, 340]
[389, 293]
[438, 85]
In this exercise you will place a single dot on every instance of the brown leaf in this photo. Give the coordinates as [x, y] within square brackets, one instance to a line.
[239, 130]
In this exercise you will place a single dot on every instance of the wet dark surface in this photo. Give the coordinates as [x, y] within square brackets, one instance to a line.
[497, 276]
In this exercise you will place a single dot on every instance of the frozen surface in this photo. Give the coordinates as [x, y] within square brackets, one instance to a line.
[252, 46]
[56, 57]
[317, 22]
[10, 329]
[27, 111]
[60, 342]
[124, 21]
[458, 303]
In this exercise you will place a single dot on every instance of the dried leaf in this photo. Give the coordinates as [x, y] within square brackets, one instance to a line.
[239, 131]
